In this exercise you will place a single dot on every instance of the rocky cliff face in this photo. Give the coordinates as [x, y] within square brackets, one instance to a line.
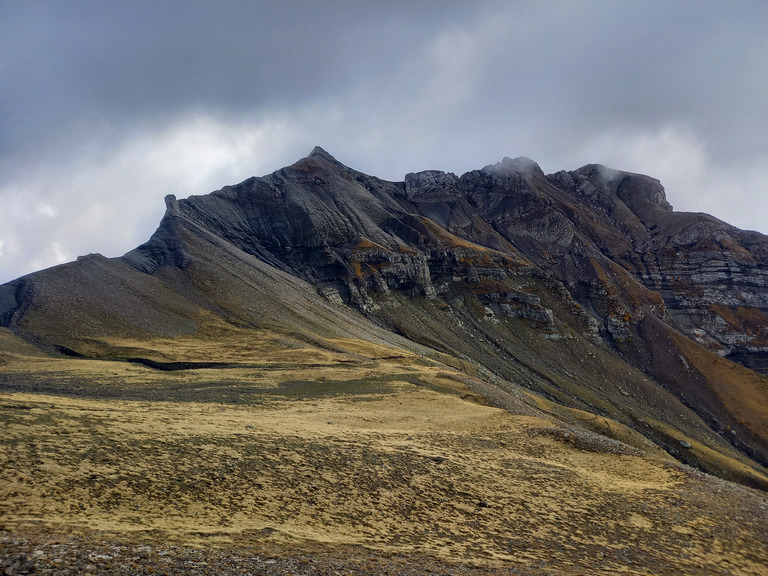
[711, 276]
[583, 286]
[611, 238]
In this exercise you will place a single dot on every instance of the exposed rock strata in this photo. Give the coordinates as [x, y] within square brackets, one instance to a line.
[594, 228]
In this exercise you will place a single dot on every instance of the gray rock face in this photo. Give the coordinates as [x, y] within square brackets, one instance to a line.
[21, 564]
[610, 237]
[711, 277]
[596, 229]
[431, 185]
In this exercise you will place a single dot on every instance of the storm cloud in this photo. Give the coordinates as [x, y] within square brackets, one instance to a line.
[106, 107]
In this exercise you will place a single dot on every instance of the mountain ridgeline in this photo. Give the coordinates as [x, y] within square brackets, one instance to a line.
[583, 288]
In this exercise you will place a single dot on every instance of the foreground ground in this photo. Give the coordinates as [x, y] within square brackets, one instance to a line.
[360, 459]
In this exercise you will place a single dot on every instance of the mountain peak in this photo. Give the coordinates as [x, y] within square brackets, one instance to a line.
[317, 151]
[509, 166]
[643, 193]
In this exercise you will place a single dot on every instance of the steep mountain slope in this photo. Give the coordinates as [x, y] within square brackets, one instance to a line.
[583, 286]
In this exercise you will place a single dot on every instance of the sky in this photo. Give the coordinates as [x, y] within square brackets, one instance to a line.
[106, 106]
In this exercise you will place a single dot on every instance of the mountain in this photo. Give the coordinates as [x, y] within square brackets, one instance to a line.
[578, 296]
[560, 283]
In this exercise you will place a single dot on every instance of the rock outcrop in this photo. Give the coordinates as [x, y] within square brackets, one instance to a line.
[594, 229]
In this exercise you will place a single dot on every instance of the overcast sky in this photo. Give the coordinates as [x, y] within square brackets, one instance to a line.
[107, 106]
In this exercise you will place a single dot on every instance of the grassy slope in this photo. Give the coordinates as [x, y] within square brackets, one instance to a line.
[347, 443]
[573, 371]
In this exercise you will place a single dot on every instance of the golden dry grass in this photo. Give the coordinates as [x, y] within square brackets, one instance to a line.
[348, 444]
[743, 392]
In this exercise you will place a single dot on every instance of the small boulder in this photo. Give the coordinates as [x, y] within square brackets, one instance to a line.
[21, 564]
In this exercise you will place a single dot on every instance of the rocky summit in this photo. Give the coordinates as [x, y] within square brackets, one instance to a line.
[362, 362]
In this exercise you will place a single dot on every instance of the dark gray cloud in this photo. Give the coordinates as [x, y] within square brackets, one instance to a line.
[107, 106]
[76, 64]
